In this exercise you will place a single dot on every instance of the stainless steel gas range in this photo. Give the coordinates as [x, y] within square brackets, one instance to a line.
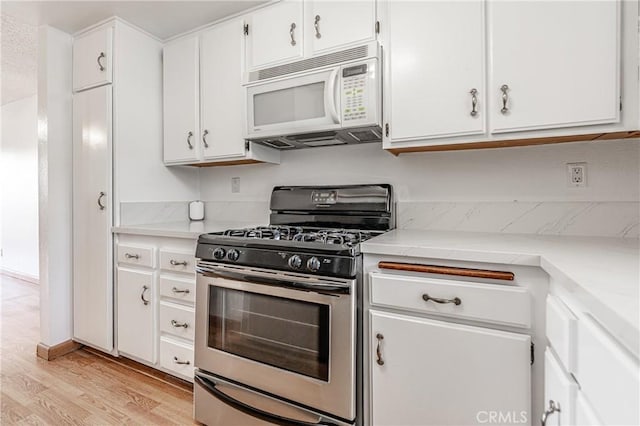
[278, 310]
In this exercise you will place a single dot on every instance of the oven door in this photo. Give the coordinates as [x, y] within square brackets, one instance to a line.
[291, 335]
[297, 104]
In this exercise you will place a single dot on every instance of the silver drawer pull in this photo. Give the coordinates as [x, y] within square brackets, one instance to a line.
[474, 102]
[131, 256]
[291, 34]
[101, 56]
[456, 300]
[553, 407]
[505, 98]
[176, 263]
[185, 291]
[177, 361]
[177, 324]
[379, 359]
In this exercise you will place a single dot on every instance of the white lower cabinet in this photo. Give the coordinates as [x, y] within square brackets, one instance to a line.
[136, 313]
[560, 392]
[429, 372]
[160, 272]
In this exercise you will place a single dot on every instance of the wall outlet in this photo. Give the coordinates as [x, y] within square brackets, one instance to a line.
[235, 185]
[577, 174]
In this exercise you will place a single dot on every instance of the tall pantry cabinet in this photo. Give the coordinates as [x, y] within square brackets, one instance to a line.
[117, 82]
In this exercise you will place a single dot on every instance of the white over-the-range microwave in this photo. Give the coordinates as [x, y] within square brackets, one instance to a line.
[327, 100]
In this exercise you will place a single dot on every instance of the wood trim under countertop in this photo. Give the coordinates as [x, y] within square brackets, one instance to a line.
[225, 163]
[52, 352]
[594, 137]
[448, 270]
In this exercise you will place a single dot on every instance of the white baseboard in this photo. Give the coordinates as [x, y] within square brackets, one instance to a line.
[34, 279]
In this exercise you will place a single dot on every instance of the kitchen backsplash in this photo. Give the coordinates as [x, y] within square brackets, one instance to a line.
[605, 219]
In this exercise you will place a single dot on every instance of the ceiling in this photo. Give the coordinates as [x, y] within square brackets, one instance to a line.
[163, 19]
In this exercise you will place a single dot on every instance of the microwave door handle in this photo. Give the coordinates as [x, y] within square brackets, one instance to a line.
[331, 95]
[210, 387]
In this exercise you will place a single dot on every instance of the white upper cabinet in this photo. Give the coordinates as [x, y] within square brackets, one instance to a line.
[222, 95]
[275, 35]
[553, 64]
[182, 141]
[334, 24]
[92, 59]
[434, 83]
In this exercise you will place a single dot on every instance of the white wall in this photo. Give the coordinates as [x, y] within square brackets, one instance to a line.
[508, 174]
[19, 192]
[55, 160]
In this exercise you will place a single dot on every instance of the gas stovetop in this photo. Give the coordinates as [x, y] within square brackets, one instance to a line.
[347, 237]
[314, 230]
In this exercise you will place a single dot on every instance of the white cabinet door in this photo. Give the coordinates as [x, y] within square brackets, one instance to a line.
[275, 35]
[334, 24]
[136, 312]
[435, 61]
[222, 95]
[92, 219]
[559, 61]
[181, 101]
[438, 373]
[560, 388]
[92, 59]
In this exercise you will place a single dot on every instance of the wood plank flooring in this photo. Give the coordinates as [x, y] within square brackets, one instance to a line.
[80, 388]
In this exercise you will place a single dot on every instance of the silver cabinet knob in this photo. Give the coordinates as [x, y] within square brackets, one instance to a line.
[189, 136]
[204, 138]
[379, 359]
[176, 263]
[474, 102]
[553, 408]
[132, 256]
[101, 56]
[177, 361]
[177, 324]
[144, 289]
[101, 195]
[316, 25]
[291, 33]
[178, 291]
[505, 98]
[456, 300]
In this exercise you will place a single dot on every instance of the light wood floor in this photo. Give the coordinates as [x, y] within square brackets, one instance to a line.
[80, 388]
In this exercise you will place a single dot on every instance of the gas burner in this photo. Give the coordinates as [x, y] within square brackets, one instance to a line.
[303, 235]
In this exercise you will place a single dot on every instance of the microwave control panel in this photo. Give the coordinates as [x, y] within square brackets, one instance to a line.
[354, 93]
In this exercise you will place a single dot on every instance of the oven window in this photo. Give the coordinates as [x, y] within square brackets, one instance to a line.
[284, 333]
[289, 105]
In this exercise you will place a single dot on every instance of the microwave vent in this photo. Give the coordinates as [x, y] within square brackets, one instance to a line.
[278, 143]
[325, 142]
[311, 63]
[366, 135]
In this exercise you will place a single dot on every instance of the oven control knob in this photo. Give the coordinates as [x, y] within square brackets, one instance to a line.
[219, 253]
[295, 262]
[313, 264]
[233, 255]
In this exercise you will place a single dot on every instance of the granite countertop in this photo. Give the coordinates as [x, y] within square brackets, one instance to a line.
[602, 273]
[184, 229]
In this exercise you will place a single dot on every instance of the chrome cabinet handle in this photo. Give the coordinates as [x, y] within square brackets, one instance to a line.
[100, 197]
[177, 324]
[474, 102]
[379, 359]
[176, 263]
[189, 136]
[505, 98]
[455, 300]
[144, 289]
[185, 291]
[553, 407]
[101, 56]
[291, 29]
[131, 256]
[317, 26]
[204, 138]
[177, 361]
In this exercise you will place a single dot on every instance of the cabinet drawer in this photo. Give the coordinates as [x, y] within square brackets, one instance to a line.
[183, 289]
[177, 261]
[176, 357]
[561, 332]
[478, 301]
[559, 387]
[607, 374]
[177, 320]
[136, 255]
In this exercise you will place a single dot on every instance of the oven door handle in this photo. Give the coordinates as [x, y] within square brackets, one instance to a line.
[210, 387]
[213, 272]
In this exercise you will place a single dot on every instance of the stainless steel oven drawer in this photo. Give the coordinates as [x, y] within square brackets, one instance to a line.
[218, 402]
